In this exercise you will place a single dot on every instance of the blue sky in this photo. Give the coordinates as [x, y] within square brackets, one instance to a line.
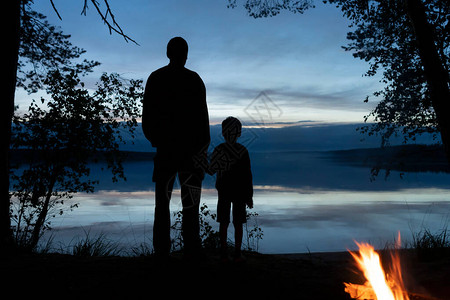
[295, 59]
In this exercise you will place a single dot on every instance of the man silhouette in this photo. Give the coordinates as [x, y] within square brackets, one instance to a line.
[175, 120]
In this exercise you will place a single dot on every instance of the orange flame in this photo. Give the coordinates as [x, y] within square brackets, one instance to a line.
[379, 286]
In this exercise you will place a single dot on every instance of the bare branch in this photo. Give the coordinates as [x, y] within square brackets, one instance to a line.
[54, 8]
[85, 6]
[112, 25]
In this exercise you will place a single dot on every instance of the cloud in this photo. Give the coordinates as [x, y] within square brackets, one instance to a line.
[296, 59]
[344, 98]
[293, 103]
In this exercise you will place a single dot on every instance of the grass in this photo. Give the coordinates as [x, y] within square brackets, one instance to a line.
[142, 249]
[430, 245]
[426, 244]
[98, 245]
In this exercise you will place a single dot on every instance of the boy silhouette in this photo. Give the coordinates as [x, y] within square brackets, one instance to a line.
[231, 162]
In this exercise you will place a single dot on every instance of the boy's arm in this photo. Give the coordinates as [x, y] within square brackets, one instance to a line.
[249, 179]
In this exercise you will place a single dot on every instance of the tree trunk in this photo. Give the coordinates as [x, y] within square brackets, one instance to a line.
[42, 215]
[436, 75]
[10, 48]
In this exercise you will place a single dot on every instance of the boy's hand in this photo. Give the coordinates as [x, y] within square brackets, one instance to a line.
[250, 203]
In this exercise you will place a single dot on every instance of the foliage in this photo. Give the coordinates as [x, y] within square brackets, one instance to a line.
[210, 237]
[60, 137]
[57, 138]
[35, 48]
[45, 48]
[253, 234]
[383, 36]
[270, 8]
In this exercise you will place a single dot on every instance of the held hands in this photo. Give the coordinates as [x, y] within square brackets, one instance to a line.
[201, 161]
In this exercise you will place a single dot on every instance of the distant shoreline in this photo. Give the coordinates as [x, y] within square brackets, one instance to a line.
[403, 158]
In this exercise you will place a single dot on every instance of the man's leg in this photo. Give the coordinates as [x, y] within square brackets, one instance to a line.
[161, 226]
[191, 186]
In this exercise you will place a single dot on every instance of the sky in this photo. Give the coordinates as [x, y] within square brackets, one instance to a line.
[287, 68]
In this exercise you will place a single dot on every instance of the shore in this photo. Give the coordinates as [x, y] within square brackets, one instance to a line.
[262, 276]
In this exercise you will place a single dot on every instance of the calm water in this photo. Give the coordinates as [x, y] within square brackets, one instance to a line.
[305, 202]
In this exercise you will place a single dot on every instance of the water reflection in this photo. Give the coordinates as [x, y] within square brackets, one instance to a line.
[299, 170]
[304, 201]
[291, 221]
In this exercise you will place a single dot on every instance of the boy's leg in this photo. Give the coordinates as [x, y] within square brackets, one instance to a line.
[223, 217]
[238, 232]
[239, 218]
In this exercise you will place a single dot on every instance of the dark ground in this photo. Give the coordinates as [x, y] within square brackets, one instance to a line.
[295, 276]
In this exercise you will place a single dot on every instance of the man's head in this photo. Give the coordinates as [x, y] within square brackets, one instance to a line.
[231, 129]
[177, 51]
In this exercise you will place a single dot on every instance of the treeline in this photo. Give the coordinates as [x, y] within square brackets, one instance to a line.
[404, 158]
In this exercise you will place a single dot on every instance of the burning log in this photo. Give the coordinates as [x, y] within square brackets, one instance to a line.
[414, 296]
[379, 285]
[365, 292]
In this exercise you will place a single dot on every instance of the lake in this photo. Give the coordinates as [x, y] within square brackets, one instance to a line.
[306, 202]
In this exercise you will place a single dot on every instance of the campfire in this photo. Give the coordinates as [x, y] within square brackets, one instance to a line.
[379, 285]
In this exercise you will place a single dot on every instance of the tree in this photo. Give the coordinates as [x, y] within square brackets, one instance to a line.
[11, 53]
[57, 141]
[24, 28]
[408, 41]
[434, 54]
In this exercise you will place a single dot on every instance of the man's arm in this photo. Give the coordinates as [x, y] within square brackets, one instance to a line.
[205, 134]
[147, 112]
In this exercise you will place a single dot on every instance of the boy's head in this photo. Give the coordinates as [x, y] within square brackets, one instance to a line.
[231, 129]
